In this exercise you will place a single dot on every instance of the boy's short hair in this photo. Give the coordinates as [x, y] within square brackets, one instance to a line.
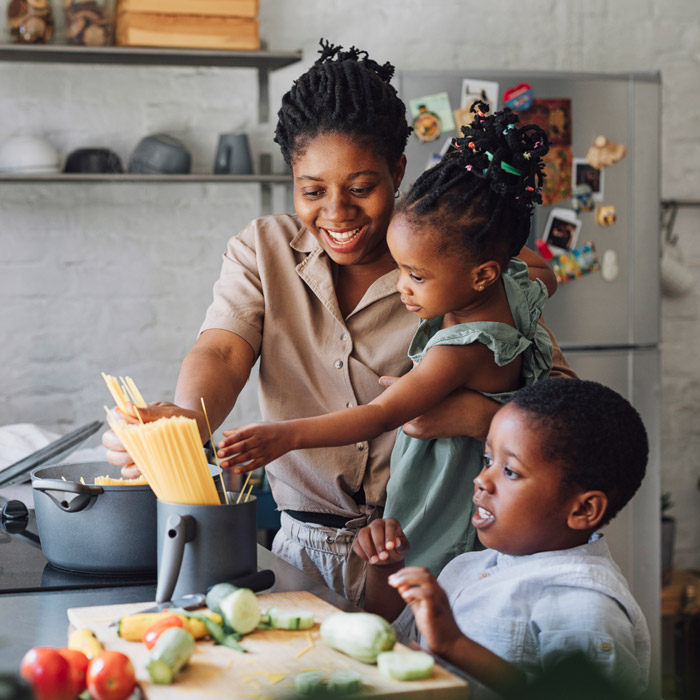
[593, 433]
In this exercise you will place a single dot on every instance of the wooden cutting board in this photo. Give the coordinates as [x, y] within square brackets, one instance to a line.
[274, 657]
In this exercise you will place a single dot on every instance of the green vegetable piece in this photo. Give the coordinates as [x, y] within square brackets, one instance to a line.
[217, 593]
[344, 683]
[405, 665]
[310, 682]
[170, 653]
[282, 619]
[240, 610]
[360, 635]
[218, 633]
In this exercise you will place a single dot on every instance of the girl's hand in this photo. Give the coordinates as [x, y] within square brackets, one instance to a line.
[431, 608]
[253, 446]
[382, 542]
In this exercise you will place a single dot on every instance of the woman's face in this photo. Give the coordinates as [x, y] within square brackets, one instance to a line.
[344, 195]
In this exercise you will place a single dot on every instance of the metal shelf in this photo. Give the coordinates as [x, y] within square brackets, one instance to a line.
[124, 178]
[136, 55]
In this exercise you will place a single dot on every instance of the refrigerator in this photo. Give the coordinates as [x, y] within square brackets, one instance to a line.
[607, 321]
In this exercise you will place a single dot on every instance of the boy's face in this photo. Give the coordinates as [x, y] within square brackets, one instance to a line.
[521, 507]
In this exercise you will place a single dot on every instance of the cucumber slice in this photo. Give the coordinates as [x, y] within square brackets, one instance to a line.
[217, 593]
[344, 683]
[283, 619]
[310, 682]
[240, 610]
[405, 665]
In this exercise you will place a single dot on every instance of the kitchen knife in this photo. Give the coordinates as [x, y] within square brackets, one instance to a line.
[259, 581]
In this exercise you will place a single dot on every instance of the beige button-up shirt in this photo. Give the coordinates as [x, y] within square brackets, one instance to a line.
[276, 292]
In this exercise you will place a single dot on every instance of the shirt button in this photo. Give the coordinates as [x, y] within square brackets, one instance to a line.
[343, 336]
[605, 646]
[485, 575]
[330, 539]
[338, 364]
[349, 404]
[360, 446]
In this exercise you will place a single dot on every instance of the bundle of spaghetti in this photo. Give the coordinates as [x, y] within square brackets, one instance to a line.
[126, 391]
[169, 453]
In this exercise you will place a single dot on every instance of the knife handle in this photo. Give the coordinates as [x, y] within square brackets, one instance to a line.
[259, 581]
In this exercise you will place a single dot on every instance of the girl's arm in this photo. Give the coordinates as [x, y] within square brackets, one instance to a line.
[436, 623]
[539, 269]
[443, 369]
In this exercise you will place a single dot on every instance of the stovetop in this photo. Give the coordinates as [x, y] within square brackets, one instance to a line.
[24, 568]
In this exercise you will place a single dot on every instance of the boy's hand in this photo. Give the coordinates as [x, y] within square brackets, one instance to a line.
[381, 542]
[254, 446]
[431, 608]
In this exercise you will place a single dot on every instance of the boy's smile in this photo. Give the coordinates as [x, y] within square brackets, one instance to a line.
[522, 506]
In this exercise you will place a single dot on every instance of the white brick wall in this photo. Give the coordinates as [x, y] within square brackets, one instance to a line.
[116, 278]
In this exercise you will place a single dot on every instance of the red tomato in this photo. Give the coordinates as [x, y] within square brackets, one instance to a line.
[111, 676]
[154, 631]
[48, 673]
[78, 668]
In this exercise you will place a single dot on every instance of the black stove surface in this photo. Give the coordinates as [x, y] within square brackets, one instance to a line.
[24, 568]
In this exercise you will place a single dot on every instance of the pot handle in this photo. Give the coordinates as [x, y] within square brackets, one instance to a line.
[179, 529]
[85, 493]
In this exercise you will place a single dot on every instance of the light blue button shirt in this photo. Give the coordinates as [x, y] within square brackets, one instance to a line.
[535, 610]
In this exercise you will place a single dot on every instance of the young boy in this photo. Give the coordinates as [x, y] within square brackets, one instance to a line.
[561, 459]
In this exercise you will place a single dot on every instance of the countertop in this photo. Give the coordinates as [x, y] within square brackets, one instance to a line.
[39, 619]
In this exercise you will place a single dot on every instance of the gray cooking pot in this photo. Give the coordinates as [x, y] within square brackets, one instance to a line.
[87, 528]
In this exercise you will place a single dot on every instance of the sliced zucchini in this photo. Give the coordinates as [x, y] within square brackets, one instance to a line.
[293, 619]
[240, 610]
[217, 593]
[344, 683]
[405, 665]
[310, 682]
[361, 635]
[171, 652]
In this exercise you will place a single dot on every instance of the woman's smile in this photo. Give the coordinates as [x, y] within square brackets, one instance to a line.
[343, 238]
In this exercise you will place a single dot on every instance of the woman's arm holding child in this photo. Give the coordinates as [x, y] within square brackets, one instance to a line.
[539, 269]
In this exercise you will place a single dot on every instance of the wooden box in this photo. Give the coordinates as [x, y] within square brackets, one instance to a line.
[186, 31]
[209, 8]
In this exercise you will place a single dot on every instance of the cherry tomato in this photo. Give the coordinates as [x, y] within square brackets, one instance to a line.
[154, 631]
[48, 673]
[111, 676]
[78, 668]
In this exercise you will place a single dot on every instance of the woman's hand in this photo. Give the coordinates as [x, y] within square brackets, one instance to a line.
[382, 542]
[431, 608]
[254, 445]
[116, 452]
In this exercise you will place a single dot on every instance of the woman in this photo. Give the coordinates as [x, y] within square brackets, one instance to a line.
[313, 297]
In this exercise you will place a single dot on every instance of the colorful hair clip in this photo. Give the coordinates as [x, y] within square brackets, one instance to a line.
[504, 166]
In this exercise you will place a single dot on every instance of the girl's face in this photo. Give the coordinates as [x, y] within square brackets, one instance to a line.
[344, 195]
[430, 283]
[521, 505]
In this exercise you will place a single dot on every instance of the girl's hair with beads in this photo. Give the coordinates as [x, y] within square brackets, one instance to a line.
[481, 195]
[344, 92]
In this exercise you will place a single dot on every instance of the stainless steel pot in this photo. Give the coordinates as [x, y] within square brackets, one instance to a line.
[87, 528]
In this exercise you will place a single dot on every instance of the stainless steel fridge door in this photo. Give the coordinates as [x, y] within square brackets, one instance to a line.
[589, 311]
[634, 535]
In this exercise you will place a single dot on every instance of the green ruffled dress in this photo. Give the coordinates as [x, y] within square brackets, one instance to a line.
[431, 481]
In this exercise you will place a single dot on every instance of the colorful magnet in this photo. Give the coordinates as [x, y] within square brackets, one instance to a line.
[426, 125]
[605, 215]
[582, 198]
[519, 97]
[604, 153]
[432, 114]
[544, 250]
[575, 263]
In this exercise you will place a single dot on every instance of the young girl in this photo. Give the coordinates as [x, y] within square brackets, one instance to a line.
[453, 239]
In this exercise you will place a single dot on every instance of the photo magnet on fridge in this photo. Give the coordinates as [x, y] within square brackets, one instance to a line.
[584, 173]
[552, 115]
[562, 229]
[473, 91]
[557, 169]
[432, 115]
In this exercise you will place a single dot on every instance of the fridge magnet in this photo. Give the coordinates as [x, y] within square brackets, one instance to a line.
[552, 115]
[605, 215]
[585, 174]
[575, 263]
[432, 115]
[604, 153]
[519, 97]
[562, 229]
[557, 169]
[544, 250]
[609, 267]
[582, 198]
[484, 90]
